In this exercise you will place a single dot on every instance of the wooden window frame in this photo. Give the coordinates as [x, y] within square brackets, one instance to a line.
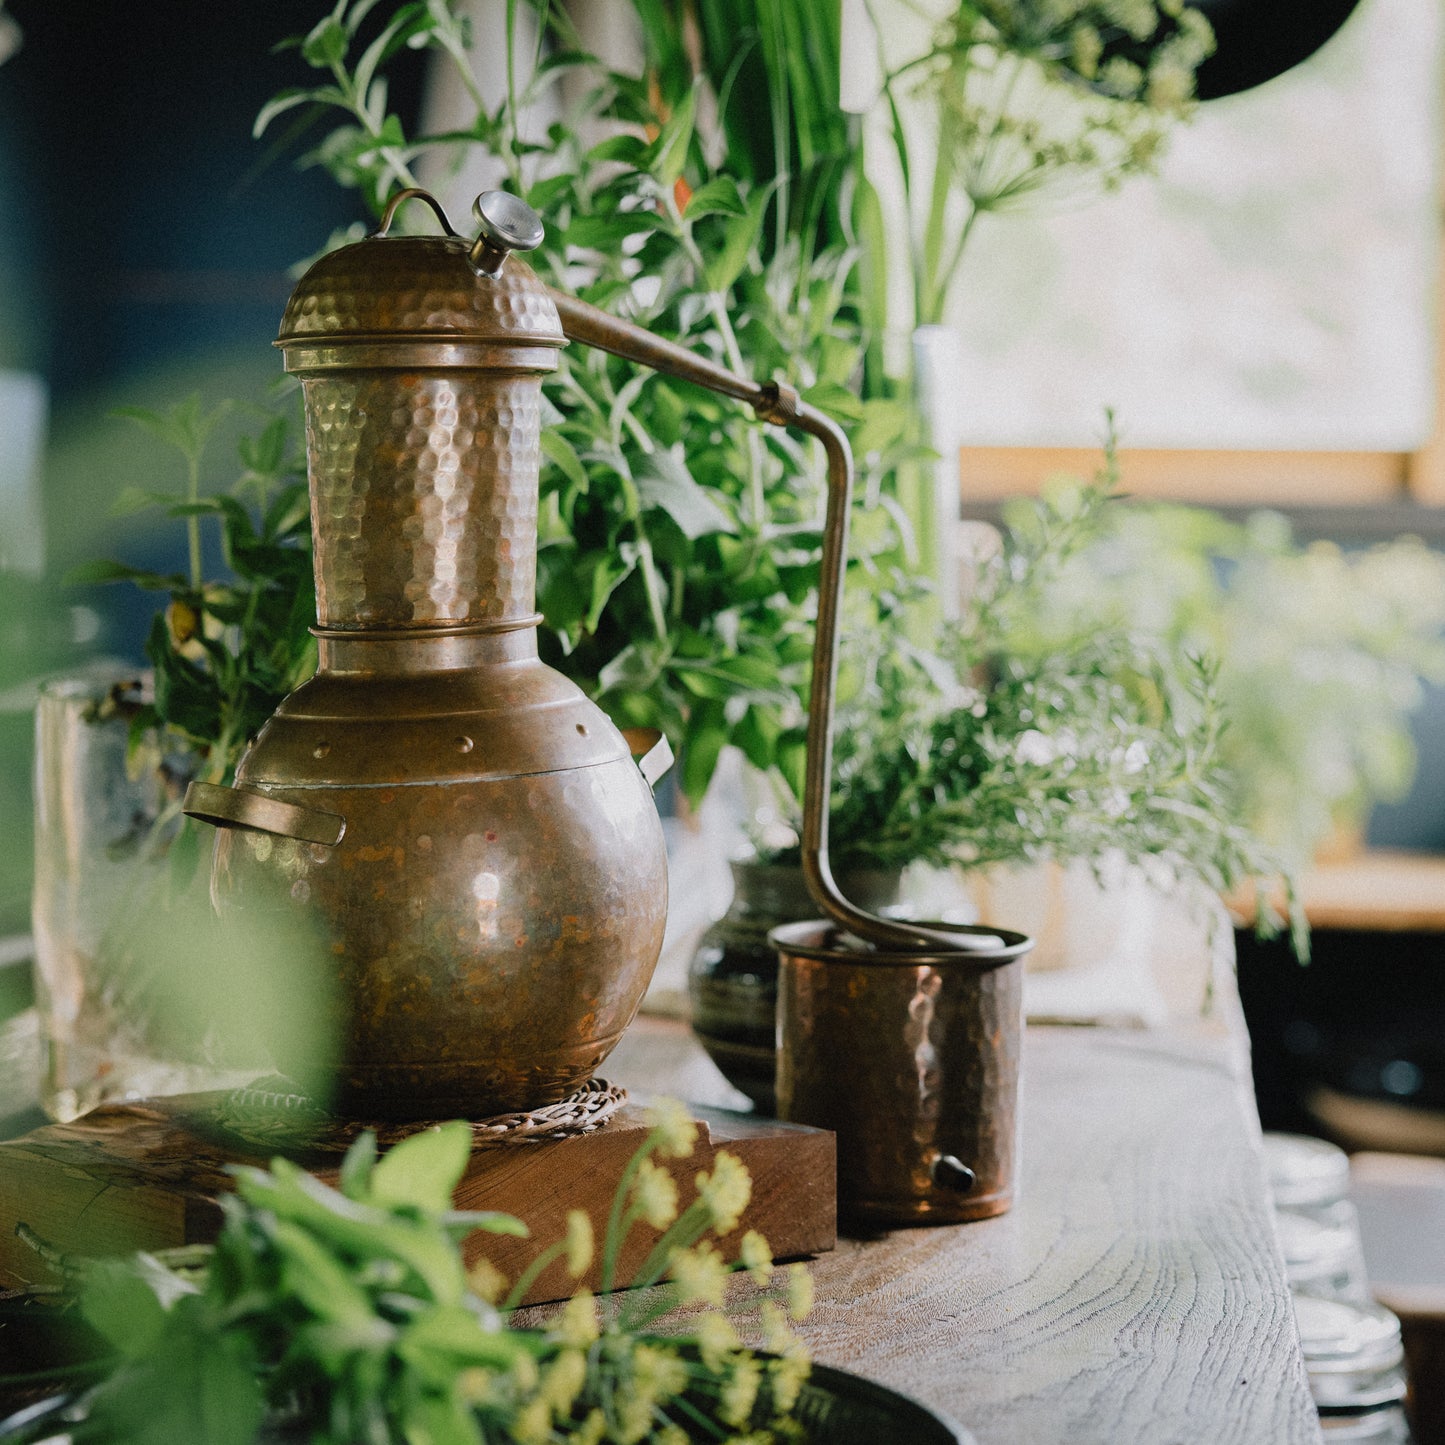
[1237, 478]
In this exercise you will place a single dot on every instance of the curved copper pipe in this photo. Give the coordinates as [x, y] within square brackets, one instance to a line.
[780, 405]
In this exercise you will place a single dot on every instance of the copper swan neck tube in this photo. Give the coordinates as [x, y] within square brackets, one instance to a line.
[779, 405]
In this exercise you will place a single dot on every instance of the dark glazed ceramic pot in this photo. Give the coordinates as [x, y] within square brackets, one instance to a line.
[733, 977]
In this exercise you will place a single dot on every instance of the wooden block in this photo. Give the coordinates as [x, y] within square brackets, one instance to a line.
[148, 1176]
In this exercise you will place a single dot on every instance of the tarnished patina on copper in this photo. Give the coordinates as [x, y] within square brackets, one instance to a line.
[912, 1059]
[493, 907]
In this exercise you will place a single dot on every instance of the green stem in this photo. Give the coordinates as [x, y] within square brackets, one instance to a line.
[943, 283]
[356, 104]
[717, 304]
[925, 291]
[683, 1233]
[612, 1239]
[778, 102]
[510, 135]
[651, 578]
[620, 418]
[530, 1275]
[651, 581]
[193, 521]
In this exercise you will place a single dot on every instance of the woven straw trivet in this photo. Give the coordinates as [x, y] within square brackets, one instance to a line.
[273, 1111]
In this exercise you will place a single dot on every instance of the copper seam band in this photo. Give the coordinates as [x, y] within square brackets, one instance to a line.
[426, 632]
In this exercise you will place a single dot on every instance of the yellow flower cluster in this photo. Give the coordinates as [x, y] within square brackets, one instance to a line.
[716, 1339]
[740, 1391]
[654, 1195]
[577, 1324]
[725, 1192]
[657, 1373]
[598, 1380]
[580, 1244]
[701, 1274]
[487, 1281]
[673, 1127]
[756, 1258]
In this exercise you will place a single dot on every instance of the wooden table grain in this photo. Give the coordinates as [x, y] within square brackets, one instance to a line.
[1134, 1295]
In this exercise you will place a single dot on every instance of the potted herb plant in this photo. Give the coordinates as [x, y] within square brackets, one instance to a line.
[1063, 736]
[346, 1313]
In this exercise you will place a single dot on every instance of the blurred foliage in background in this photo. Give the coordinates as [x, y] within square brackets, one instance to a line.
[1322, 652]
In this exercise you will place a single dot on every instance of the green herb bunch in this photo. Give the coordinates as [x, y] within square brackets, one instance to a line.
[1073, 734]
[679, 539]
[345, 1315]
[225, 652]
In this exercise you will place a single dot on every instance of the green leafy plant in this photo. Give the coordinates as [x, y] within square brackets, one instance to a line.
[340, 1315]
[679, 541]
[1074, 734]
[1015, 99]
[226, 651]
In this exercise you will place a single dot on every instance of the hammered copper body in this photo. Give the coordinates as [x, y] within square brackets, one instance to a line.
[912, 1059]
[466, 833]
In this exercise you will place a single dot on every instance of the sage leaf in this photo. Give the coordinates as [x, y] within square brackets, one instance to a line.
[424, 1168]
[326, 45]
[90, 573]
[717, 197]
[198, 1384]
[739, 236]
[669, 150]
[125, 1300]
[279, 105]
[563, 455]
[664, 482]
[356, 1166]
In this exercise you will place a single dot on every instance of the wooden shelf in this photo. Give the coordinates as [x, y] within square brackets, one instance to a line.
[1377, 891]
[1394, 892]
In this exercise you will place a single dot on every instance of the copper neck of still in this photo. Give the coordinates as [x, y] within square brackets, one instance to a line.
[424, 501]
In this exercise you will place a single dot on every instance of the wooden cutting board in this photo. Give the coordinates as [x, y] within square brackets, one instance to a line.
[149, 1176]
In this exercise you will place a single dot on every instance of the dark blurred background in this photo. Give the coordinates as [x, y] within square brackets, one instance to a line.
[145, 241]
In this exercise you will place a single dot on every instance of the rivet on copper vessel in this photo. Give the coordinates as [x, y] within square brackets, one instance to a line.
[320, 750]
[464, 744]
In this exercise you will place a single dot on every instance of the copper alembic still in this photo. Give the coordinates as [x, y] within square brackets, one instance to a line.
[468, 833]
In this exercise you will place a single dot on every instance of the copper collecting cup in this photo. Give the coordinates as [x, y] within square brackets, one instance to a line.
[911, 1057]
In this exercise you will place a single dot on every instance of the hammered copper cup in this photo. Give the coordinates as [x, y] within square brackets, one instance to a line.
[911, 1057]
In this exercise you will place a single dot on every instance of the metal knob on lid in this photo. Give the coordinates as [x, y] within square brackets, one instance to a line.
[507, 224]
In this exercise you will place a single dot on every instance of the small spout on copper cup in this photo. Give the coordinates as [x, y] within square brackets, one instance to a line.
[911, 1056]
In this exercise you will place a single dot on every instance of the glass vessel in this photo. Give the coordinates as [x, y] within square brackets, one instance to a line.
[109, 871]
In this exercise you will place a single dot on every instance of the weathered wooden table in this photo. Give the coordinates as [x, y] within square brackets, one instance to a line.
[1133, 1296]
[1135, 1293]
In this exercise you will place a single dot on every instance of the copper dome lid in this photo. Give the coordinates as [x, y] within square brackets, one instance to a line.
[485, 306]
